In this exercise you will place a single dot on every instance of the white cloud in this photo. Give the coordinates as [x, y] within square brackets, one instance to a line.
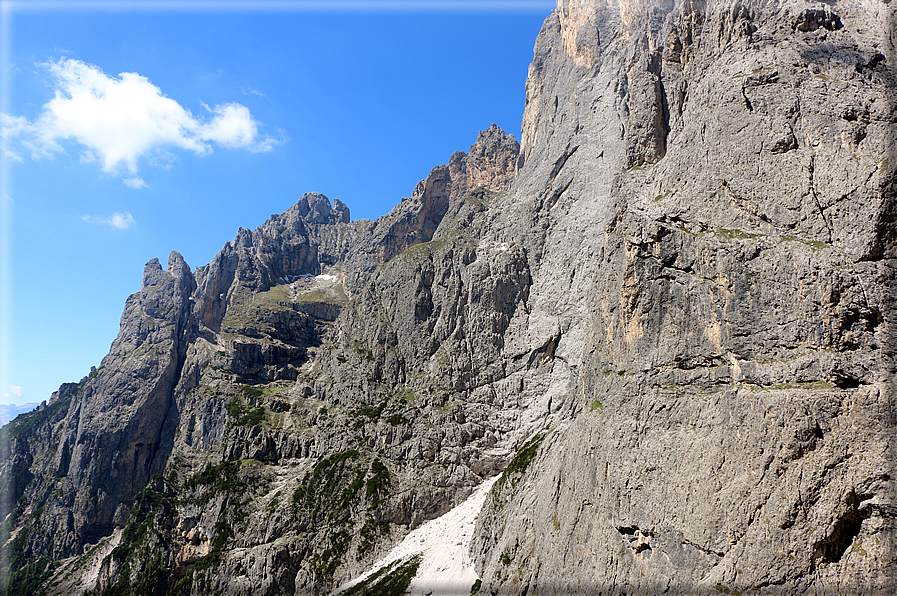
[251, 91]
[119, 221]
[232, 126]
[121, 121]
[12, 127]
[14, 392]
[135, 182]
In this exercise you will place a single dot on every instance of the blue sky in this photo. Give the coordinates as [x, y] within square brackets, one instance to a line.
[135, 128]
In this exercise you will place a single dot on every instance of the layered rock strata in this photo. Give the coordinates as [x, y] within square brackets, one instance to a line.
[727, 172]
[666, 320]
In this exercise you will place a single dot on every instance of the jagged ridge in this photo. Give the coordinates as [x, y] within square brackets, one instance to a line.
[678, 313]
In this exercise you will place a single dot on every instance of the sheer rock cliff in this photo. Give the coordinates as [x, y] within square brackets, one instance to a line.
[666, 318]
[726, 172]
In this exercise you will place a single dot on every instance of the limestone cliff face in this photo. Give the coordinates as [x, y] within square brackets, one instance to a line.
[666, 318]
[732, 329]
[110, 439]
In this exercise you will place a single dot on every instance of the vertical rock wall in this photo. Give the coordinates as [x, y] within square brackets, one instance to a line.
[726, 170]
[674, 304]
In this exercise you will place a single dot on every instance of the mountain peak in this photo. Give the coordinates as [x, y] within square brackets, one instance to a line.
[662, 330]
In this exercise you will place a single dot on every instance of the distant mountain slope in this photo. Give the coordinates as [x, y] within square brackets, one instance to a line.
[10, 411]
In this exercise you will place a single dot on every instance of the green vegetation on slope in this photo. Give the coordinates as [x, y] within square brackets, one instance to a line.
[392, 580]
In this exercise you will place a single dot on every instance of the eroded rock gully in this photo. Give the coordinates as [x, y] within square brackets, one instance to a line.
[666, 317]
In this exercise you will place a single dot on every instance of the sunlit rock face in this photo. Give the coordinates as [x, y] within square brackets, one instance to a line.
[715, 183]
[665, 318]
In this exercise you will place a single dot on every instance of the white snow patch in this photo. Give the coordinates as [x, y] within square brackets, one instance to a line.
[446, 567]
[291, 278]
[325, 277]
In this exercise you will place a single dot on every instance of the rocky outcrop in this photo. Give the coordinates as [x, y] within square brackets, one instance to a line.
[489, 165]
[666, 319]
[737, 348]
[250, 359]
[105, 436]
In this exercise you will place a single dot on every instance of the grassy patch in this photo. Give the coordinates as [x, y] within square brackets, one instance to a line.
[735, 234]
[418, 253]
[314, 296]
[609, 371]
[140, 521]
[252, 391]
[27, 580]
[244, 415]
[372, 412]
[325, 563]
[361, 349]
[514, 472]
[221, 478]
[327, 496]
[423, 250]
[808, 385]
[369, 534]
[246, 308]
[272, 504]
[323, 490]
[392, 580]
[525, 456]
[397, 420]
[814, 244]
[25, 424]
[139, 546]
[404, 397]
[380, 480]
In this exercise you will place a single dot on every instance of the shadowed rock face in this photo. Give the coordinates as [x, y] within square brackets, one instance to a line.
[666, 316]
[205, 361]
[108, 435]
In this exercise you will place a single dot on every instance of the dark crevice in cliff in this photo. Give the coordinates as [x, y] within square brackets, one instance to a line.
[545, 352]
[561, 161]
[555, 195]
[664, 124]
[704, 549]
[843, 532]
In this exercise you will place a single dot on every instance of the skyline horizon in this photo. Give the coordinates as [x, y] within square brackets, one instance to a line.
[357, 118]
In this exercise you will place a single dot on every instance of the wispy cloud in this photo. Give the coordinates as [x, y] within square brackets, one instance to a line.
[251, 91]
[121, 121]
[12, 127]
[119, 221]
[134, 182]
[13, 392]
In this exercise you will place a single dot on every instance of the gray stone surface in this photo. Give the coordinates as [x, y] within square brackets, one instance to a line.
[666, 317]
[731, 422]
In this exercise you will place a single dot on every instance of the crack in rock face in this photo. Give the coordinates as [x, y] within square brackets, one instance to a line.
[649, 349]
